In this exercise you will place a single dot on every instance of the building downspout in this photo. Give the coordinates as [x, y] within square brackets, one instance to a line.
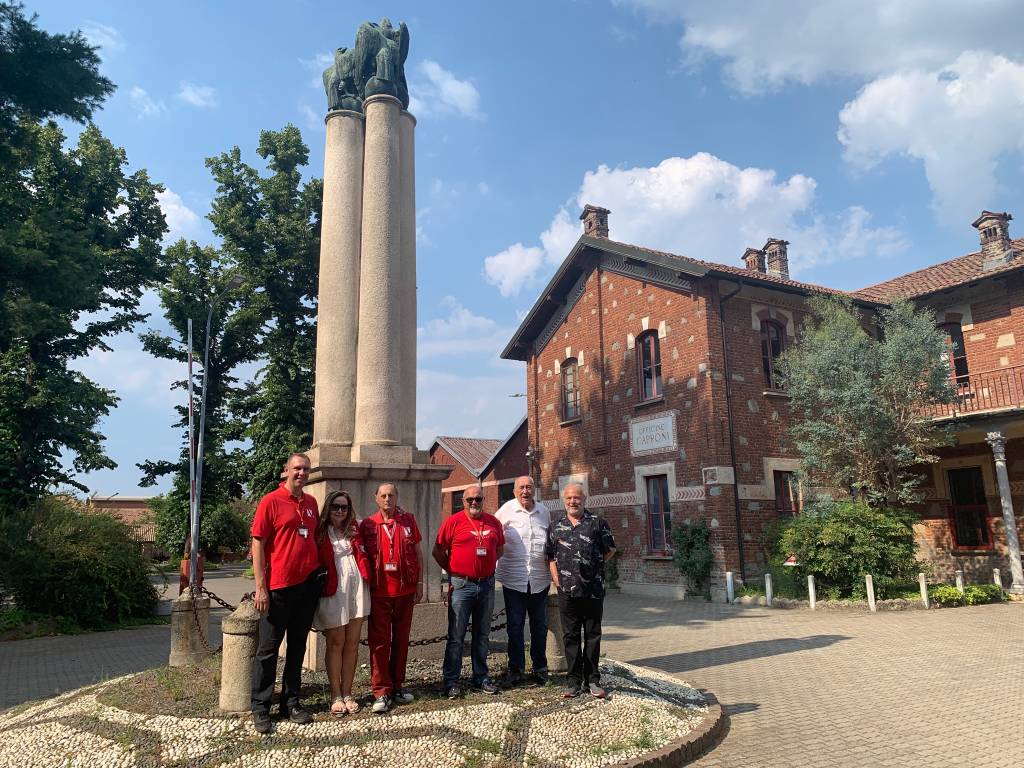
[728, 421]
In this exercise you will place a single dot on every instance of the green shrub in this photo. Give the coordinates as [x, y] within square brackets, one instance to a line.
[840, 542]
[691, 543]
[221, 527]
[62, 561]
[979, 594]
[945, 595]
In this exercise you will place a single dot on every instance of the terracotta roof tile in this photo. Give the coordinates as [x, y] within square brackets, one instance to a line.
[472, 452]
[938, 277]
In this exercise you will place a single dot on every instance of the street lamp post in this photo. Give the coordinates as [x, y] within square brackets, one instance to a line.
[196, 465]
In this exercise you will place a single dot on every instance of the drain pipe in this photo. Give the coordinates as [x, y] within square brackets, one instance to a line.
[728, 419]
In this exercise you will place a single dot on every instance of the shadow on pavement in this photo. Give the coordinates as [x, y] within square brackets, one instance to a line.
[729, 654]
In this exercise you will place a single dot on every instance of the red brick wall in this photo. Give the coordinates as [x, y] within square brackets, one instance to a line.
[509, 464]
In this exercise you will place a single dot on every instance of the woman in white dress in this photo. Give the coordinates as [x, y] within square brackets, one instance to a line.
[346, 598]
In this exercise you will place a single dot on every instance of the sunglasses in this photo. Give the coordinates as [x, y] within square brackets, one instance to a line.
[339, 507]
[474, 499]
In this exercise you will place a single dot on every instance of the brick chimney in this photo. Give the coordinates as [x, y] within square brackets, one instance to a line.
[776, 259]
[994, 228]
[595, 221]
[754, 259]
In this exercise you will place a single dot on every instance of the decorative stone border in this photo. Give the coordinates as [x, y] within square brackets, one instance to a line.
[690, 747]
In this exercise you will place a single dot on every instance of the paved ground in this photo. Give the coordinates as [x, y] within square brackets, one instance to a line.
[936, 688]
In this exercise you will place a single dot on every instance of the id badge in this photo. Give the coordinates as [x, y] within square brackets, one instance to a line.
[303, 531]
[481, 551]
[390, 566]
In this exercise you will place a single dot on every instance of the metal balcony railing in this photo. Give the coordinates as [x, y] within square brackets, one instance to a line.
[987, 391]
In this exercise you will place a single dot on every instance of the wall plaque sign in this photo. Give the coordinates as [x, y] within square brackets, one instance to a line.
[653, 434]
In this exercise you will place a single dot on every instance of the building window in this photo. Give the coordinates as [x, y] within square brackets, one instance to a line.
[787, 493]
[968, 514]
[659, 514]
[648, 352]
[570, 390]
[506, 492]
[773, 336]
[956, 353]
[457, 504]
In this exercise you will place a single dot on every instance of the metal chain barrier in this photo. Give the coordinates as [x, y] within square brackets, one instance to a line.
[249, 596]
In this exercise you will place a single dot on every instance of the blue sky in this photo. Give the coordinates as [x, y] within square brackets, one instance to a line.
[868, 133]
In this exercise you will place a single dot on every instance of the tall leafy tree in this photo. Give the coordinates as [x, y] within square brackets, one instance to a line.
[78, 244]
[862, 402]
[197, 278]
[270, 227]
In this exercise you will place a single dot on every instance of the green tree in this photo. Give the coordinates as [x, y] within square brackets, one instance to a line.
[196, 278]
[270, 227]
[861, 402]
[79, 241]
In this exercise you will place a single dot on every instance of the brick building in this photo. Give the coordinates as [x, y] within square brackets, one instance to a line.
[650, 381]
[136, 514]
[494, 465]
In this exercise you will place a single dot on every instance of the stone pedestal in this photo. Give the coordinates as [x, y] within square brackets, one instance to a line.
[555, 650]
[240, 633]
[187, 644]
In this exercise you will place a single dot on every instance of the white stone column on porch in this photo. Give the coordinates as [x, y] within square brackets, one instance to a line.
[338, 302]
[379, 365]
[407, 275]
[997, 441]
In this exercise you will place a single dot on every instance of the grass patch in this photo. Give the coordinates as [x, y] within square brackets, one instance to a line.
[180, 691]
[19, 624]
[600, 750]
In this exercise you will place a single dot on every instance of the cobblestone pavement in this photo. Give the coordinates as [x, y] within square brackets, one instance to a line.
[830, 689]
[931, 689]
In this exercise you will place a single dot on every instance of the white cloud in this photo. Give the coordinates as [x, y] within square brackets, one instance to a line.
[202, 96]
[765, 44]
[460, 332]
[317, 65]
[145, 105]
[702, 207]
[483, 188]
[314, 121]
[467, 404]
[438, 92]
[182, 221]
[103, 36]
[958, 121]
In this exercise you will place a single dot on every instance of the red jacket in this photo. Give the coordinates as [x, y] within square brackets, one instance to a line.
[326, 552]
[371, 533]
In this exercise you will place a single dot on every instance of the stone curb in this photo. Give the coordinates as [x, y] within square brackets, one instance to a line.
[689, 747]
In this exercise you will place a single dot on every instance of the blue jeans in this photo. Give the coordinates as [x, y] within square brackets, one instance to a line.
[517, 606]
[468, 599]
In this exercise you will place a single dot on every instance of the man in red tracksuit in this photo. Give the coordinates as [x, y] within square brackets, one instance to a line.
[392, 541]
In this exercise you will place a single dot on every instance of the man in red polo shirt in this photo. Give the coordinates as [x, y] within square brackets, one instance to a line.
[284, 564]
[392, 542]
[468, 547]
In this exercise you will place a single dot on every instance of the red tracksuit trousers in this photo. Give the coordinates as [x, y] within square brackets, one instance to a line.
[388, 636]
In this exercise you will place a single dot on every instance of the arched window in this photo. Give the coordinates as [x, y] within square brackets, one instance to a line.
[773, 341]
[648, 359]
[570, 390]
[955, 352]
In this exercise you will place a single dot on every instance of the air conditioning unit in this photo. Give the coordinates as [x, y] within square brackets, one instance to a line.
[718, 476]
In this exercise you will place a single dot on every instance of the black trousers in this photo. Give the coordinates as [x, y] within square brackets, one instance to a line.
[289, 614]
[581, 626]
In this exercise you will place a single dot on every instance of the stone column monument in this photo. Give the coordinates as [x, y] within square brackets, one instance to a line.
[364, 429]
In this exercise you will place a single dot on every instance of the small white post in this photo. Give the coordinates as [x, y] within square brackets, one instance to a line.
[923, 583]
[730, 587]
[769, 591]
[960, 582]
[812, 596]
[997, 578]
[869, 583]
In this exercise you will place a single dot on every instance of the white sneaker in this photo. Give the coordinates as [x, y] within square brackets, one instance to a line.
[380, 705]
[402, 697]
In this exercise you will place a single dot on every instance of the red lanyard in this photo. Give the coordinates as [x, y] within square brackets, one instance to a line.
[478, 531]
[389, 532]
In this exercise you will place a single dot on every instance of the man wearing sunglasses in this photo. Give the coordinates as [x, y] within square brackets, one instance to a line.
[468, 546]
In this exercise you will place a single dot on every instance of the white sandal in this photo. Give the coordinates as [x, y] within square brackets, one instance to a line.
[343, 710]
[351, 705]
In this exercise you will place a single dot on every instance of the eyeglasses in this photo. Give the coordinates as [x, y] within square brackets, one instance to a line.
[339, 507]
[474, 500]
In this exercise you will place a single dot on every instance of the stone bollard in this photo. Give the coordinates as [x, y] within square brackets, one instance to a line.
[730, 587]
[555, 646]
[769, 592]
[960, 582]
[869, 585]
[241, 637]
[187, 645]
[812, 595]
[997, 578]
[923, 584]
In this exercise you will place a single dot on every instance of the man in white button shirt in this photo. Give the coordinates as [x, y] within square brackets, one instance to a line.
[525, 579]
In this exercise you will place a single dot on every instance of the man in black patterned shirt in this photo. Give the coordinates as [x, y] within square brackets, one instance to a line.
[577, 548]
